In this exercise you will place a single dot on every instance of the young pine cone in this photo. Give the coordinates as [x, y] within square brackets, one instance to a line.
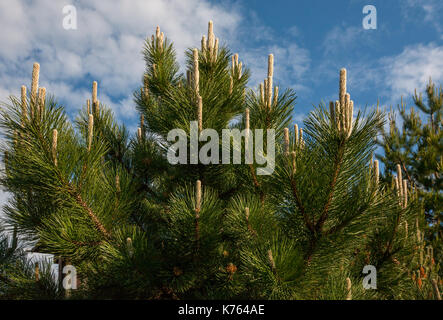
[231, 269]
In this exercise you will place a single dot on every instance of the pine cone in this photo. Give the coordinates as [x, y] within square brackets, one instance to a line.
[422, 273]
[419, 283]
[231, 268]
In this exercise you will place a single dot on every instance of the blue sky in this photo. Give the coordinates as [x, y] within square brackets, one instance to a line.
[379, 62]
[311, 40]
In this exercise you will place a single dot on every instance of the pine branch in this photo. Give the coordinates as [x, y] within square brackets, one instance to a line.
[256, 183]
[309, 224]
[337, 167]
[91, 214]
[5, 279]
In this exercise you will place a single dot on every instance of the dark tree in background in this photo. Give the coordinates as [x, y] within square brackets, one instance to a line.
[417, 145]
[136, 226]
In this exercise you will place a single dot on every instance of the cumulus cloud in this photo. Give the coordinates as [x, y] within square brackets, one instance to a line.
[392, 77]
[291, 63]
[106, 46]
[412, 68]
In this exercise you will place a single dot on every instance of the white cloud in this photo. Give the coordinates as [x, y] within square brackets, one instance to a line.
[299, 118]
[428, 11]
[290, 62]
[391, 77]
[106, 46]
[341, 38]
[412, 68]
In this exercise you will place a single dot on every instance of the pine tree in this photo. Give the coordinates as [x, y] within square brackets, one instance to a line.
[22, 278]
[416, 148]
[136, 226]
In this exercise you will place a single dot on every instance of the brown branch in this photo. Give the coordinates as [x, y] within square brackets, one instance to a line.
[407, 173]
[316, 233]
[257, 184]
[72, 191]
[394, 232]
[78, 198]
[254, 177]
[250, 228]
[93, 217]
[300, 206]
[332, 185]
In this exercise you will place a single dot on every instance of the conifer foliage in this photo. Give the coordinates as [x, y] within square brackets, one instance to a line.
[415, 149]
[136, 226]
